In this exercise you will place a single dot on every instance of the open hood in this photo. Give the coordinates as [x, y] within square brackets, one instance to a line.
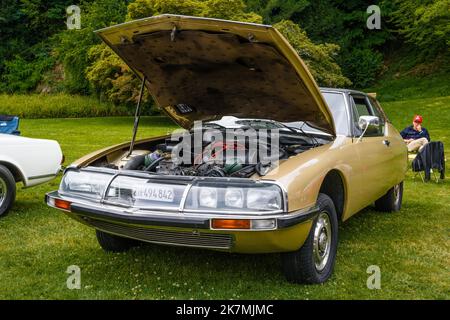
[203, 69]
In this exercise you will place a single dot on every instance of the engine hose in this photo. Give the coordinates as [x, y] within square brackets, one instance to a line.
[134, 163]
[153, 164]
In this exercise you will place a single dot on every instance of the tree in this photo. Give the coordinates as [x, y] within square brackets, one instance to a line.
[339, 22]
[318, 57]
[424, 23]
[110, 77]
[25, 53]
[230, 9]
[72, 46]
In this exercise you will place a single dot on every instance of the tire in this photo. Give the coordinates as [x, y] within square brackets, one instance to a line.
[7, 190]
[392, 200]
[113, 243]
[302, 266]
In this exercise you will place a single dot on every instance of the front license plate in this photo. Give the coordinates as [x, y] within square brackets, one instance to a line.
[155, 193]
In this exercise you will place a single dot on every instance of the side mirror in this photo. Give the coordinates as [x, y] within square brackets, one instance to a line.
[368, 124]
[365, 122]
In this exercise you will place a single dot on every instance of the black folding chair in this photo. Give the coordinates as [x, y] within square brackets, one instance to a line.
[430, 157]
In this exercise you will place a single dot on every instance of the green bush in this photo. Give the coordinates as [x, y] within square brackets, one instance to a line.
[72, 46]
[22, 76]
[423, 23]
[362, 66]
[320, 58]
[58, 106]
[109, 76]
[23, 73]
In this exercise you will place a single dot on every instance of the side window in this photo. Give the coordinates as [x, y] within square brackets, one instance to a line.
[362, 107]
[378, 110]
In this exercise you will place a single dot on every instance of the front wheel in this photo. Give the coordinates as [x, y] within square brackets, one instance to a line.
[7, 190]
[392, 200]
[314, 261]
[113, 243]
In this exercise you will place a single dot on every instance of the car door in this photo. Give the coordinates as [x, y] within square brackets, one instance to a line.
[373, 150]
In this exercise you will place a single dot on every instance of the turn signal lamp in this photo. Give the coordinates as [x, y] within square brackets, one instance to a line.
[230, 224]
[60, 204]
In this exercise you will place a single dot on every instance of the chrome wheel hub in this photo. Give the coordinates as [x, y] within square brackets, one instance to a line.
[3, 191]
[322, 241]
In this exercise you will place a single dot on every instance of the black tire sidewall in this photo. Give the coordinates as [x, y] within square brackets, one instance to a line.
[387, 202]
[6, 175]
[326, 205]
[112, 243]
[299, 266]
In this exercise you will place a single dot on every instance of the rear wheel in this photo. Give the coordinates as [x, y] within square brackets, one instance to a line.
[113, 243]
[7, 190]
[314, 261]
[392, 200]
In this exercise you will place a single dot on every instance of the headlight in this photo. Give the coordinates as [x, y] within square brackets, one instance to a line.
[87, 184]
[235, 197]
[263, 199]
[208, 197]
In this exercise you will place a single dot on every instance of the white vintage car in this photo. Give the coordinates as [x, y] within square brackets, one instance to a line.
[26, 160]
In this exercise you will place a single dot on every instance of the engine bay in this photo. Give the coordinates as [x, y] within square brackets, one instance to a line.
[238, 157]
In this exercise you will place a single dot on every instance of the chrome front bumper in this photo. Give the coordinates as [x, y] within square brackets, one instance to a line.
[176, 229]
[111, 213]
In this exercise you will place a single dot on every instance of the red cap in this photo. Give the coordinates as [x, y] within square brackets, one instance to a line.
[418, 118]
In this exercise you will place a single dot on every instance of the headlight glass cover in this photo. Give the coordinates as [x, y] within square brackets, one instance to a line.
[85, 183]
[240, 198]
[231, 197]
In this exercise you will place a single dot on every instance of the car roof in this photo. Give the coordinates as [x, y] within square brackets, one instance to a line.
[342, 90]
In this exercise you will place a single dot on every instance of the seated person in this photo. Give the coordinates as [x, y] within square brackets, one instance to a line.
[415, 136]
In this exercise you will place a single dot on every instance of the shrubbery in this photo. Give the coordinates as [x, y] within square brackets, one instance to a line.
[425, 24]
[23, 73]
[38, 54]
[111, 78]
[319, 58]
[58, 106]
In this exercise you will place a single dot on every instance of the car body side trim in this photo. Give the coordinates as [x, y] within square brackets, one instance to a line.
[51, 175]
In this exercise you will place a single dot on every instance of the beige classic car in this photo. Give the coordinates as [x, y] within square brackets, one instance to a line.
[268, 163]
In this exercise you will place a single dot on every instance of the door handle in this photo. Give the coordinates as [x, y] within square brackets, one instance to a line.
[386, 143]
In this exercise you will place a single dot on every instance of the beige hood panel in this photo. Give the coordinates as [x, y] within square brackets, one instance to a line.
[203, 69]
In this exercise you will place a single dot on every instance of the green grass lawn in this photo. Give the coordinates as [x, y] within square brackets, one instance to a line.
[37, 243]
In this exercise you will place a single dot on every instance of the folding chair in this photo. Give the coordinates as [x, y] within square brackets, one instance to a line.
[9, 124]
[411, 157]
[421, 160]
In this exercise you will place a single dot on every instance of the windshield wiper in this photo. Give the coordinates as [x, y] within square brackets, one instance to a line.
[309, 136]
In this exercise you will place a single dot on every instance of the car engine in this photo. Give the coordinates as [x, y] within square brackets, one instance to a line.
[238, 158]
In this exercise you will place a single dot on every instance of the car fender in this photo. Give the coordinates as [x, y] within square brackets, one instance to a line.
[301, 176]
[14, 167]
[37, 160]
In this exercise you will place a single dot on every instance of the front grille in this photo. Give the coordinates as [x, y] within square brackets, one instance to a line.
[177, 238]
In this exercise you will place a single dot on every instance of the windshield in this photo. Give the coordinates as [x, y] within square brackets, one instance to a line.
[334, 100]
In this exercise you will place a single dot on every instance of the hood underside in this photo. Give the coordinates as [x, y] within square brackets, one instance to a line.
[203, 69]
